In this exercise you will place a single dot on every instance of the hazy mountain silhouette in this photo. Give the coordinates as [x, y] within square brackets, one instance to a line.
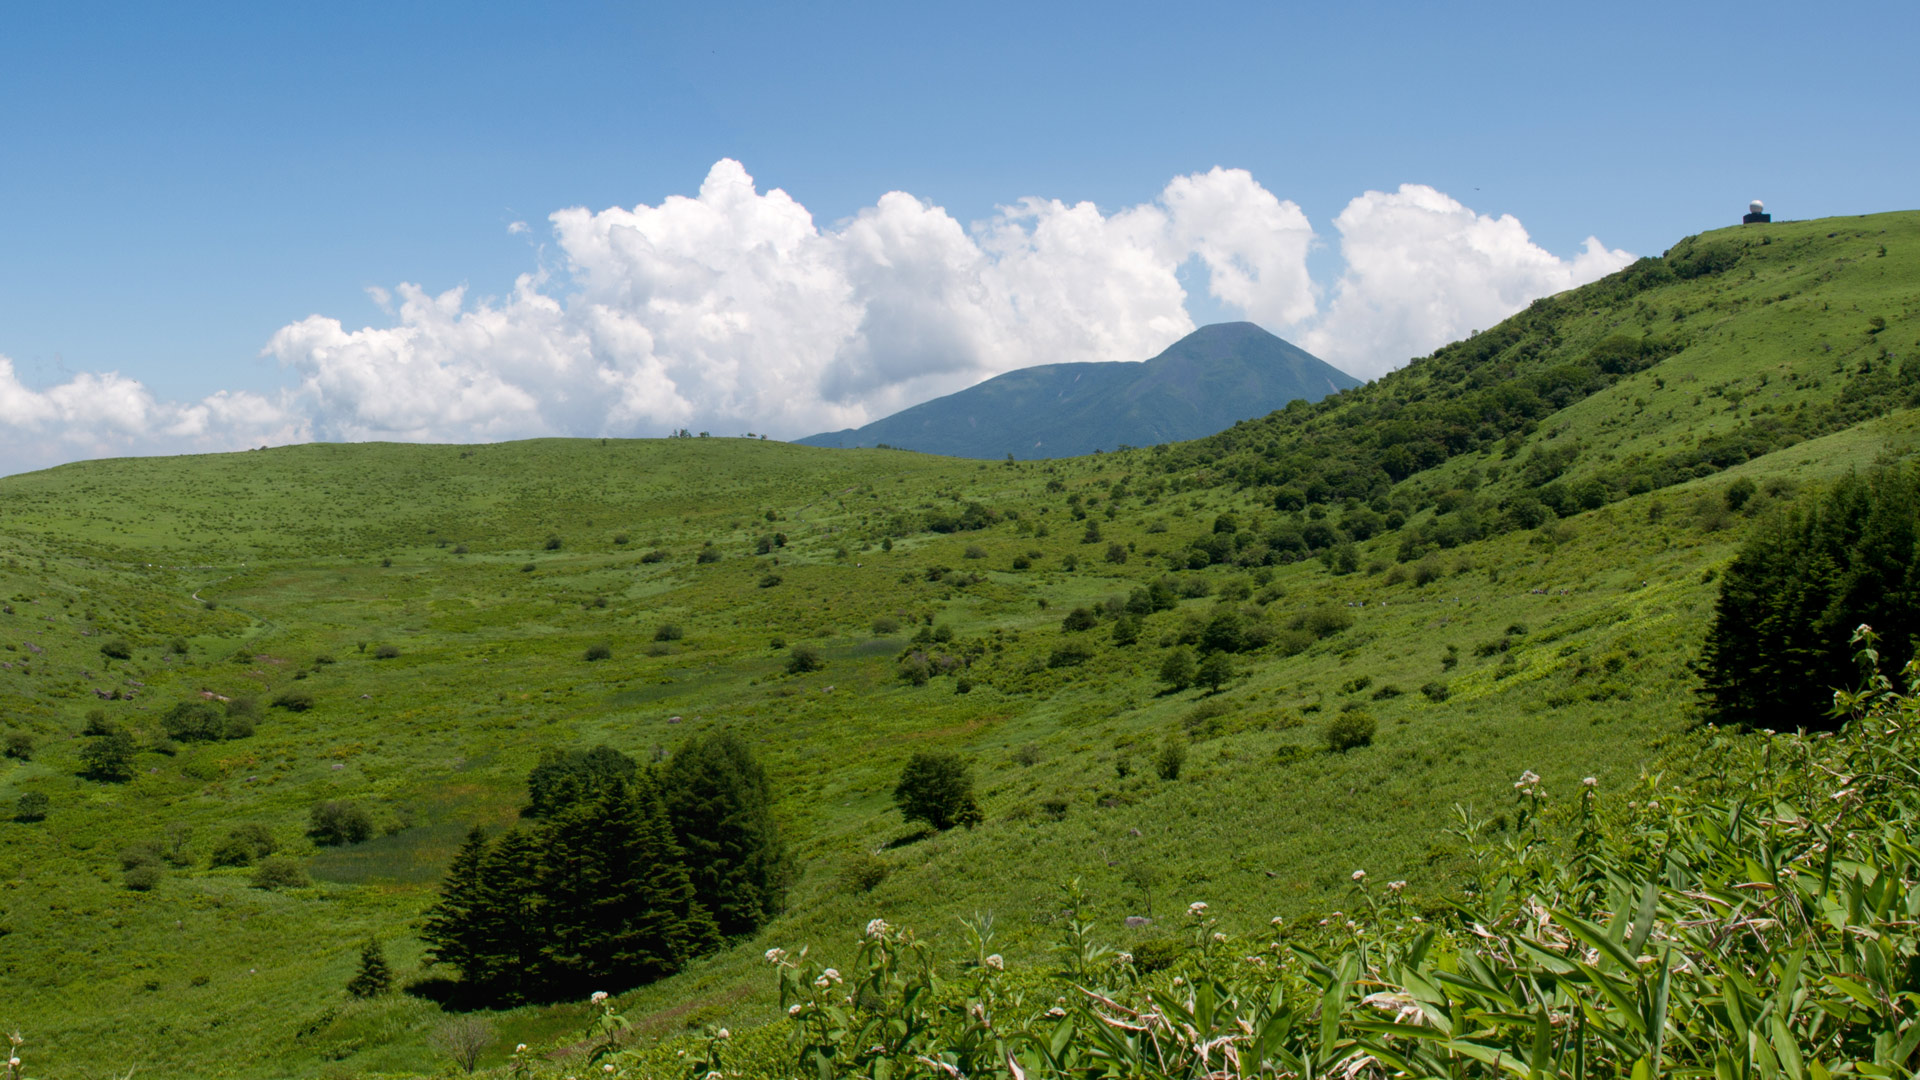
[1205, 382]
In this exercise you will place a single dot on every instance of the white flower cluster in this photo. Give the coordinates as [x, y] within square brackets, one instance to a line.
[877, 929]
[1197, 909]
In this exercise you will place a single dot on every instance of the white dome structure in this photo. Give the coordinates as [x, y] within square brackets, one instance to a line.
[1756, 206]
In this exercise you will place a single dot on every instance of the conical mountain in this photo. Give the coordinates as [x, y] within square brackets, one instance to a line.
[1206, 382]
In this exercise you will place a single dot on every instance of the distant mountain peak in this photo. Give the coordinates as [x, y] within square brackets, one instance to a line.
[1209, 380]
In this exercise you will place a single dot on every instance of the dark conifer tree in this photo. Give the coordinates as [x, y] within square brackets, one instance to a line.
[451, 930]
[511, 919]
[563, 778]
[620, 909]
[374, 977]
[1789, 603]
[717, 799]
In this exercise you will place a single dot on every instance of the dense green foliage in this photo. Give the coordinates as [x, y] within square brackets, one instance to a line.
[1805, 578]
[721, 807]
[566, 777]
[597, 893]
[937, 788]
[1758, 923]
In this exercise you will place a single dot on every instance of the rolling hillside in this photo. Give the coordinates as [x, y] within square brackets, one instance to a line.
[1210, 379]
[1502, 555]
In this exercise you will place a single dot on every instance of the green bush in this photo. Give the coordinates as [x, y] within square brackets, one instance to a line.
[1215, 671]
[1171, 758]
[386, 652]
[19, 745]
[937, 788]
[1071, 654]
[109, 757]
[804, 658]
[884, 625]
[116, 649]
[1177, 669]
[601, 651]
[293, 701]
[863, 873]
[335, 823]
[31, 807]
[142, 878]
[1349, 730]
[195, 721]
[668, 632]
[1078, 619]
[1158, 954]
[280, 873]
[1322, 622]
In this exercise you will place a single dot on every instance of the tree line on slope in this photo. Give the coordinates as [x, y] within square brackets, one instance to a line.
[1806, 577]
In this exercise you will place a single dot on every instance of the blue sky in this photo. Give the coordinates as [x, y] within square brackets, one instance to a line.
[179, 183]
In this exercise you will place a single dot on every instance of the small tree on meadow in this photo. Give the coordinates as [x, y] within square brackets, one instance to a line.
[937, 788]
[1215, 671]
[374, 977]
[109, 757]
[1177, 669]
[31, 807]
[335, 823]
[804, 658]
[1171, 758]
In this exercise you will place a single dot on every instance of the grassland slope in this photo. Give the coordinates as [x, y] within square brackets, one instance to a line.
[1520, 586]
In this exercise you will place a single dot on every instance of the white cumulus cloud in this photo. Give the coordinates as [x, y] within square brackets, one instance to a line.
[1423, 270]
[109, 415]
[733, 310]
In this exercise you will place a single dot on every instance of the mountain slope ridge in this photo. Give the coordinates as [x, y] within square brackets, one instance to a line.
[1206, 381]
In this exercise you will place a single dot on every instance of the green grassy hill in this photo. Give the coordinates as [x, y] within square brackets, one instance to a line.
[1519, 532]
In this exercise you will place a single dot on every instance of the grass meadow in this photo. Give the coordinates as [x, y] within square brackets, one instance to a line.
[437, 604]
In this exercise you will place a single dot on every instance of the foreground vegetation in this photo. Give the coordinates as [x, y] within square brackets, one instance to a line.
[1757, 921]
[256, 703]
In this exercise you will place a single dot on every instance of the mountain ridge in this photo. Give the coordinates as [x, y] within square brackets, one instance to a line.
[1207, 381]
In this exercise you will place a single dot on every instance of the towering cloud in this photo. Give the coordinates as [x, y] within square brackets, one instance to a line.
[733, 310]
[1423, 270]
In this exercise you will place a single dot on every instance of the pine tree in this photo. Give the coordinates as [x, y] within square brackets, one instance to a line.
[374, 977]
[451, 930]
[620, 909]
[510, 919]
[1789, 603]
[717, 799]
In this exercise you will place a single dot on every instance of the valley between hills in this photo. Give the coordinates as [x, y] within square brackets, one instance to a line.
[1501, 560]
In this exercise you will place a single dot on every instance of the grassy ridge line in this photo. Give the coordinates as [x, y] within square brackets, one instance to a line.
[490, 671]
